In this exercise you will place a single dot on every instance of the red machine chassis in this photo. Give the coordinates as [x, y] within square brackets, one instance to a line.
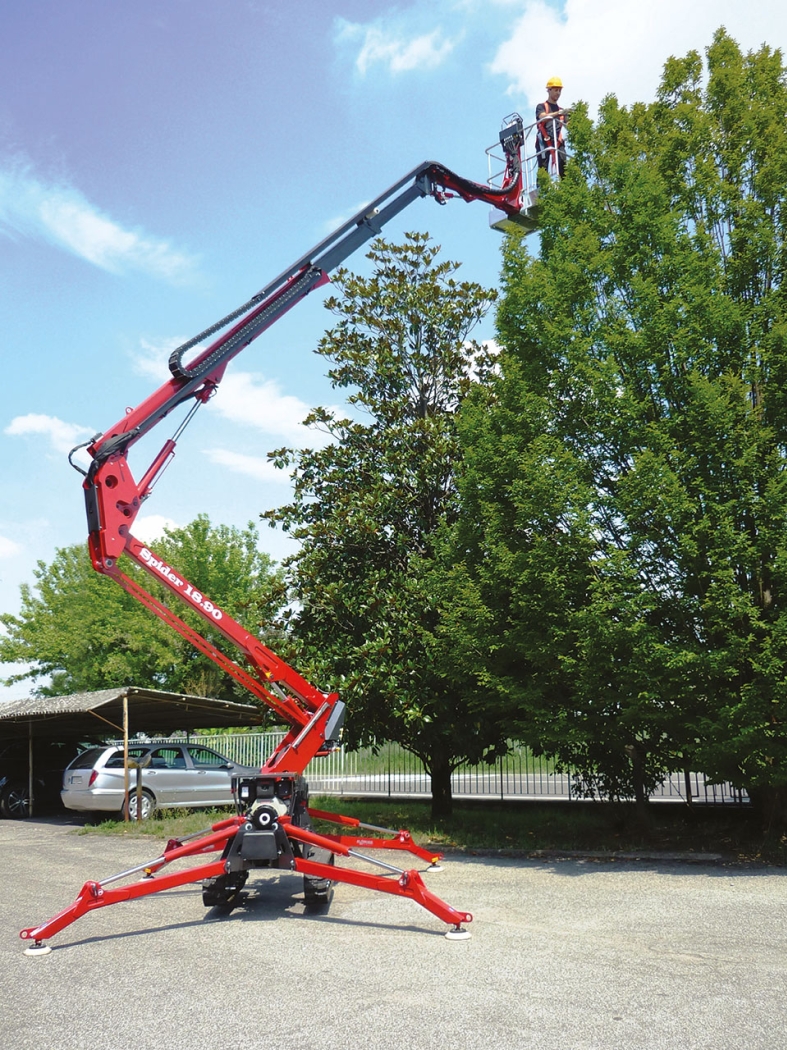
[113, 499]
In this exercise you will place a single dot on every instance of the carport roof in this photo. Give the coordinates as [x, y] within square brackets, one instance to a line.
[150, 711]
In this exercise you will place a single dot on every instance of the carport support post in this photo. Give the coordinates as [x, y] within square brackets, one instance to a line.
[29, 769]
[138, 790]
[125, 756]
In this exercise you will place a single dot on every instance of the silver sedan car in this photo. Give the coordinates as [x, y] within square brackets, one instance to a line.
[174, 776]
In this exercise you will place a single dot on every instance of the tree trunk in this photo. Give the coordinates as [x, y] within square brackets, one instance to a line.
[770, 804]
[637, 756]
[442, 800]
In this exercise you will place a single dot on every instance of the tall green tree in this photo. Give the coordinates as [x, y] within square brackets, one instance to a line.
[367, 508]
[77, 630]
[643, 390]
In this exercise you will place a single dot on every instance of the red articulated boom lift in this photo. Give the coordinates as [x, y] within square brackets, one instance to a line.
[273, 827]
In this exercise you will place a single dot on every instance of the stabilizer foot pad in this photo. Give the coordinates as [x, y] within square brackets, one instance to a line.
[458, 935]
[435, 867]
[38, 949]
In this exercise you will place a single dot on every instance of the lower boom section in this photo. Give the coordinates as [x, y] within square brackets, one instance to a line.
[272, 831]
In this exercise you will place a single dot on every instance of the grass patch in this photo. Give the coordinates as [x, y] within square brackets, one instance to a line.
[167, 824]
[521, 826]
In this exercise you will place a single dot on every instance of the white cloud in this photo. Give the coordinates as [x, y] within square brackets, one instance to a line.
[252, 466]
[601, 47]
[62, 436]
[251, 399]
[150, 527]
[61, 215]
[152, 361]
[8, 548]
[389, 43]
[339, 220]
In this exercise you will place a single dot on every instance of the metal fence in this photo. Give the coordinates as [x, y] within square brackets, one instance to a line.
[390, 771]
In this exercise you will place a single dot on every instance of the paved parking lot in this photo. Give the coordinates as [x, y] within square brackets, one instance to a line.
[565, 955]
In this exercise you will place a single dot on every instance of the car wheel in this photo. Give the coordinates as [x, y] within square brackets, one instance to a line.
[148, 805]
[15, 801]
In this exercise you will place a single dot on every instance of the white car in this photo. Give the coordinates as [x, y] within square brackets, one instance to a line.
[174, 776]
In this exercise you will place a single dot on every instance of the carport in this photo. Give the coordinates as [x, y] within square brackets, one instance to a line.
[116, 712]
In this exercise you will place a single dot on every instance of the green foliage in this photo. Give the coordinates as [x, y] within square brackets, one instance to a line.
[367, 508]
[80, 631]
[624, 514]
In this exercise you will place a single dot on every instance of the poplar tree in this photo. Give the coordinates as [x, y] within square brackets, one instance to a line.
[624, 525]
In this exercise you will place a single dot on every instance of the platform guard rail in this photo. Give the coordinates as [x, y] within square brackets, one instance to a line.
[530, 152]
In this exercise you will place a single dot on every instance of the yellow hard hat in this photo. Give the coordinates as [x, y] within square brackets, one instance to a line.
[554, 82]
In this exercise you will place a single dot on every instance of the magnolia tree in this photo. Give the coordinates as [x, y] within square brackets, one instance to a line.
[367, 509]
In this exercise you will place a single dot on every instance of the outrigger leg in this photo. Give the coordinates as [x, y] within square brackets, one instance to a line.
[403, 840]
[260, 838]
[95, 895]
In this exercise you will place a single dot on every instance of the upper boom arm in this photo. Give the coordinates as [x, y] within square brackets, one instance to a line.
[113, 497]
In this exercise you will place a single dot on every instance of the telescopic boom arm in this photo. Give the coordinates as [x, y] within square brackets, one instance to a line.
[273, 826]
[113, 497]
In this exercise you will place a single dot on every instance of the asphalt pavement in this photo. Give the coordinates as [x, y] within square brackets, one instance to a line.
[565, 954]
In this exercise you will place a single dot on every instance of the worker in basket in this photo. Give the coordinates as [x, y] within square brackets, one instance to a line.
[551, 120]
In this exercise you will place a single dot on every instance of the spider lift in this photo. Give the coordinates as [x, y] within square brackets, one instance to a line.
[272, 828]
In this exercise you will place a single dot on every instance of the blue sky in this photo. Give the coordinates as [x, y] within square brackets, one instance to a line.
[161, 160]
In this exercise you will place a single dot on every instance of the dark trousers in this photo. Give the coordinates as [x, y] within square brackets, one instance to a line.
[546, 157]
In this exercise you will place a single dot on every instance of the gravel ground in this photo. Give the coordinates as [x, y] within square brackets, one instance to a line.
[566, 954]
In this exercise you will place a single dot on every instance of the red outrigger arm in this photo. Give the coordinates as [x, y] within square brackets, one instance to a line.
[407, 883]
[274, 827]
